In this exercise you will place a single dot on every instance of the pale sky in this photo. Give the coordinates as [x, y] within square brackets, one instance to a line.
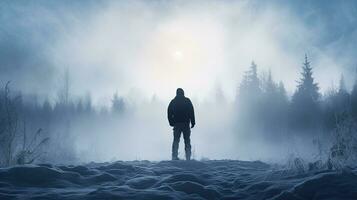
[146, 48]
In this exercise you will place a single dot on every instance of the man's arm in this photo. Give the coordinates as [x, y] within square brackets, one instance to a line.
[192, 114]
[170, 114]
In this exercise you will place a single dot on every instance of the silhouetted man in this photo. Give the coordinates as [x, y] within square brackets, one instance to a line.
[180, 113]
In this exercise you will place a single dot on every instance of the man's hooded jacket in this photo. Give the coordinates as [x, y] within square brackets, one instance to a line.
[180, 109]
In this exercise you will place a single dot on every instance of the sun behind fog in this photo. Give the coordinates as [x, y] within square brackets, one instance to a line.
[177, 55]
[172, 55]
[181, 53]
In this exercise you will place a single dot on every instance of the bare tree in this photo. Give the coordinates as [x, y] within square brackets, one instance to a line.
[10, 139]
[9, 125]
[31, 150]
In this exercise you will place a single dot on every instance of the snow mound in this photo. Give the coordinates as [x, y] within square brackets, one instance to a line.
[217, 179]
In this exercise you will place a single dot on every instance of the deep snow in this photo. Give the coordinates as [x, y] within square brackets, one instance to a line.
[221, 179]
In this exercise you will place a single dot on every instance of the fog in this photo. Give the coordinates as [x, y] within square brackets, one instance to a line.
[144, 50]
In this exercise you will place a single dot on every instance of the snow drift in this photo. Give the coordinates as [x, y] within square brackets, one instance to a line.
[220, 179]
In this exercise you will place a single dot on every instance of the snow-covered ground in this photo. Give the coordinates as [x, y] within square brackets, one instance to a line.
[221, 179]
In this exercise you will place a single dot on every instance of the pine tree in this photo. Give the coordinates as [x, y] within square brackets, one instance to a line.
[282, 101]
[270, 87]
[283, 97]
[254, 80]
[307, 89]
[268, 110]
[342, 87]
[305, 107]
[117, 104]
[337, 105]
[250, 85]
[274, 106]
[343, 98]
[354, 98]
[249, 99]
[64, 92]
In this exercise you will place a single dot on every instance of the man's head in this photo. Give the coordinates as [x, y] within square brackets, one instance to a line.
[180, 92]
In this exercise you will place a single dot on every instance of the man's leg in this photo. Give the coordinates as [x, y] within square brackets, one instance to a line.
[186, 137]
[176, 142]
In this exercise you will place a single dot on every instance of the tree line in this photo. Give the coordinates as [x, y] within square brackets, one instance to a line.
[44, 131]
[32, 131]
[263, 103]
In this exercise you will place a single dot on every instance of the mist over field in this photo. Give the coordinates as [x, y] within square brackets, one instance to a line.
[95, 95]
[97, 76]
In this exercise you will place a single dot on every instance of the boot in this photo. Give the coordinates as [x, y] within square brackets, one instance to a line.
[188, 156]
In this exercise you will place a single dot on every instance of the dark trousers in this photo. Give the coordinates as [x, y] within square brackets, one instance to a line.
[183, 128]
